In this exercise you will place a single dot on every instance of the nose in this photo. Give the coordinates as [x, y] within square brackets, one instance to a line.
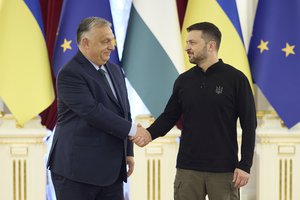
[111, 46]
[187, 47]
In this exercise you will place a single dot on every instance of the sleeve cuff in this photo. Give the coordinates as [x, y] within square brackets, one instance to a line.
[133, 129]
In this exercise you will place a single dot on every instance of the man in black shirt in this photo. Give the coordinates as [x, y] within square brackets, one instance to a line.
[210, 97]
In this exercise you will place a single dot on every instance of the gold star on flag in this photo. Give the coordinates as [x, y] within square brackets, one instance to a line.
[263, 46]
[288, 49]
[66, 45]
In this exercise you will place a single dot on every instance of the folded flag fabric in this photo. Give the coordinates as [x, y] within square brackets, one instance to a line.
[274, 56]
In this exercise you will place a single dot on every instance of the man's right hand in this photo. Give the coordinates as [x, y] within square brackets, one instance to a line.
[142, 136]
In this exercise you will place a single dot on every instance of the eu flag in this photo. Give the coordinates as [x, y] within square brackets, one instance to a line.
[73, 11]
[274, 56]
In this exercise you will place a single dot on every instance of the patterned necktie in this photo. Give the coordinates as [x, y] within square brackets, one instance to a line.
[102, 73]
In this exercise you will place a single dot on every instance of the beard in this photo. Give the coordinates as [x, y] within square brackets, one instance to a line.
[198, 57]
[193, 60]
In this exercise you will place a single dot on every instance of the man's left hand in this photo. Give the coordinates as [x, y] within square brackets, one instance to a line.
[130, 164]
[240, 178]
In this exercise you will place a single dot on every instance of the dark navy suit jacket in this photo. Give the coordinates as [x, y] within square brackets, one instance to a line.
[90, 142]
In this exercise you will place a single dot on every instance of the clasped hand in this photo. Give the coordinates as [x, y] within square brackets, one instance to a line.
[142, 136]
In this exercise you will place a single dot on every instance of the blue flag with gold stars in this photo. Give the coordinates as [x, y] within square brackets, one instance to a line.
[73, 11]
[274, 56]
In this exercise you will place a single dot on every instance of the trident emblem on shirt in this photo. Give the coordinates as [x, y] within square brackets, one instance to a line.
[219, 89]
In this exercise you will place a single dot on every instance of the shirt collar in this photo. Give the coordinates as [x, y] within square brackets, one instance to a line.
[213, 67]
[97, 67]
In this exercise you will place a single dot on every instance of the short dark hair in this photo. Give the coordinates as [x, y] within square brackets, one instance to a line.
[209, 31]
[88, 23]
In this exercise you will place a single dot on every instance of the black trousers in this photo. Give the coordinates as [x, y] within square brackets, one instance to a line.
[66, 189]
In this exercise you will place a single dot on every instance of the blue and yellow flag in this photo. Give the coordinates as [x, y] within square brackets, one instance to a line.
[224, 14]
[73, 11]
[25, 83]
[274, 57]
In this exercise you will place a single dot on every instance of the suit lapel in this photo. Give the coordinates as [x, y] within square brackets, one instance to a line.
[93, 72]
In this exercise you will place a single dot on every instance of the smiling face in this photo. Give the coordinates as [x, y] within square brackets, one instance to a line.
[196, 47]
[97, 44]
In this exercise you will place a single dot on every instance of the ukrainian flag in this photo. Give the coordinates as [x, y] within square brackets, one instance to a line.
[25, 82]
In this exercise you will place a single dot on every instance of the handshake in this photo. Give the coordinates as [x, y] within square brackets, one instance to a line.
[142, 136]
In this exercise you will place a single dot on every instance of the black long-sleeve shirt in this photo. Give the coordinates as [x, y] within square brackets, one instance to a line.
[210, 103]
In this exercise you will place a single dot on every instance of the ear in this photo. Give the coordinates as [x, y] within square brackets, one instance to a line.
[85, 42]
[212, 45]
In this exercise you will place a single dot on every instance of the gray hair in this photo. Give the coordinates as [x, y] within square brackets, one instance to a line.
[88, 23]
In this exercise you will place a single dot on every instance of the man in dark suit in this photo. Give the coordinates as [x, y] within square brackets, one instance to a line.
[91, 149]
